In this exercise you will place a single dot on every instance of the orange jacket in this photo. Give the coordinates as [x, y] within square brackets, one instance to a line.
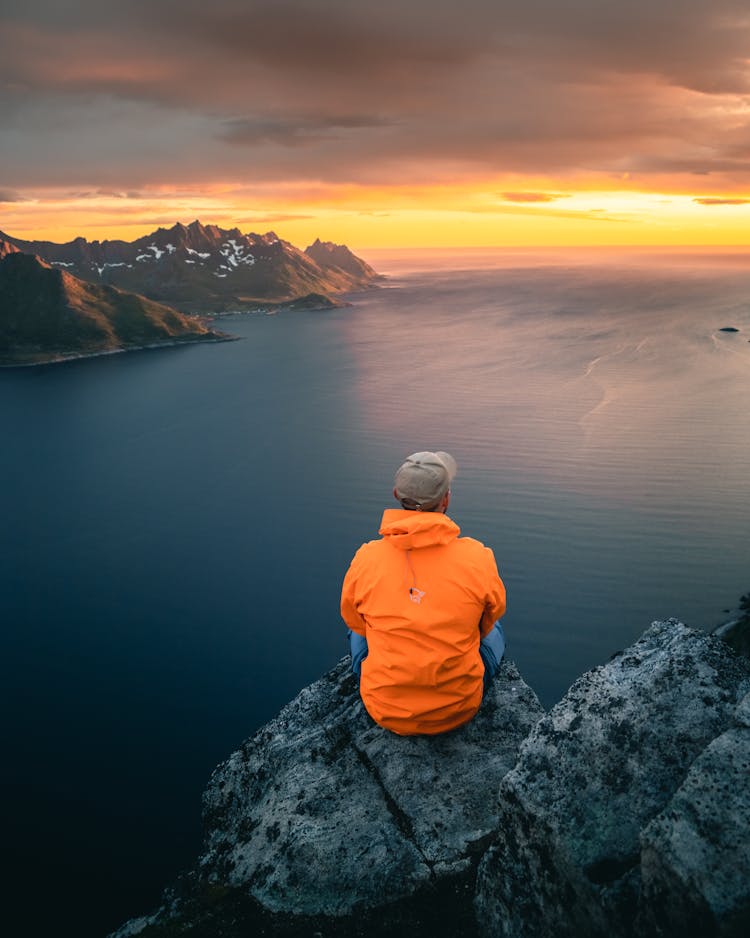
[422, 596]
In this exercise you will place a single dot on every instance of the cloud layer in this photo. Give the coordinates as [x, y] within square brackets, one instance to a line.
[132, 93]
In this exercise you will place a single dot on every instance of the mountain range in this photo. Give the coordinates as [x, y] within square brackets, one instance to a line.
[206, 269]
[47, 314]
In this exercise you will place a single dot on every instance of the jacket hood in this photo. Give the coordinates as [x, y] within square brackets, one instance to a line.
[408, 530]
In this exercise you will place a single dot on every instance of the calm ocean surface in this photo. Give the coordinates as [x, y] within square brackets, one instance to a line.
[176, 524]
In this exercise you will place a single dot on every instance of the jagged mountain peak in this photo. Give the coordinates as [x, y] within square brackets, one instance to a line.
[6, 247]
[198, 237]
[338, 257]
[207, 268]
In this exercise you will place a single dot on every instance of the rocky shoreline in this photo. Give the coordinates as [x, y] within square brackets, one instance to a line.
[737, 630]
[60, 358]
[622, 812]
[312, 302]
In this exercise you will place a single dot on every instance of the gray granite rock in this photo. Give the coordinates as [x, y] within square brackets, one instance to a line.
[695, 860]
[325, 820]
[593, 773]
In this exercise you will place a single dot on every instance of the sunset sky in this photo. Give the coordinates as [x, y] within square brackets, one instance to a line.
[388, 123]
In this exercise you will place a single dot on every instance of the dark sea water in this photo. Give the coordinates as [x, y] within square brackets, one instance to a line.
[176, 524]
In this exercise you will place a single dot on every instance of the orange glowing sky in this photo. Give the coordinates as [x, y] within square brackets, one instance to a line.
[585, 122]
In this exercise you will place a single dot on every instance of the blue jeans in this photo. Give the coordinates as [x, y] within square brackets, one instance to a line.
[491, 651]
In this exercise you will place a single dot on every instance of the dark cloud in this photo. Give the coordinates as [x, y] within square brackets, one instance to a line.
[103, 194]
[118, 95]
[338, 38]
[9, 195]
[294, 131]
[686, 42]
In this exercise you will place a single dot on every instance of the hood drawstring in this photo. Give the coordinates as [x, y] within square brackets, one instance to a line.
[415, 594]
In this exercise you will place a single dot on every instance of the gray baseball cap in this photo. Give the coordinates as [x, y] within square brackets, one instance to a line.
[424, 478]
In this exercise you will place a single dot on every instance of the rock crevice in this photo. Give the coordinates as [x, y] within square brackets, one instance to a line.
[400, 817]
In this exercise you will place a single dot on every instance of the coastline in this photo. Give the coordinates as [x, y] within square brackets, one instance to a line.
[272, 308]
[723, 628]
[62, 357]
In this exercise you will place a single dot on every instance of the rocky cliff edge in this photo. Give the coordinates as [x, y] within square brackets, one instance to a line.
[625, 811]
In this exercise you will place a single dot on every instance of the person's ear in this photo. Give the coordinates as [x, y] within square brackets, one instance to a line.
[446, 501]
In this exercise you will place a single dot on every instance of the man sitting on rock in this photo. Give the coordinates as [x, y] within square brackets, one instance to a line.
[421, 605]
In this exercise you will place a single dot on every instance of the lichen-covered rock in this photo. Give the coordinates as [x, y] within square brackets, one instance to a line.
[695, 861]
[324, 819]
[593, 773]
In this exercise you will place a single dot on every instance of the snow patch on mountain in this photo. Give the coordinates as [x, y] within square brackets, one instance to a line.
[234, 253]
[101, 268]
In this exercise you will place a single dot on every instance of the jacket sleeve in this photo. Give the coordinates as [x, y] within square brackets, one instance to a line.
[494, 599]
[349, 605]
